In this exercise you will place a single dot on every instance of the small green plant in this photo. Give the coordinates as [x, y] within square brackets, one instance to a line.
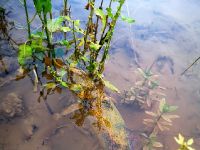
[151, 142]
[161, 120]
[184, 145]
[145, 91]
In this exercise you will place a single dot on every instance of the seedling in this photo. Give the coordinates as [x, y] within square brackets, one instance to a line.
[161, 120]
[145, 91]
[184, 145]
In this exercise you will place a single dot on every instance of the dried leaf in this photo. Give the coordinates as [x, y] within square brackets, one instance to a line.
[157, 144]
[47, 61]
[151, 113]
[76, 87]
[160, 126]
[166, 123]
[47, 76]
[19, 77]
[50, 85]
[142, 72]
[148, 120]
[148, 102]
[58, 89]
[58, 63]
[138, 83]
[169, 117]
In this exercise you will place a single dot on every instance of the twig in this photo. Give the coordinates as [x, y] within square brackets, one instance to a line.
[190, 66]
[89, 23]
[27, 20]
[97, 23]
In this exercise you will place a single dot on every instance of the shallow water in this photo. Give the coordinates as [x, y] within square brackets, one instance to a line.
[164, 30]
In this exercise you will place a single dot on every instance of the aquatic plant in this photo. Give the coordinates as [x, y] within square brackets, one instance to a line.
[184, 145]
[161, 120]
[76, 61]
[144, 91]
[151, 142]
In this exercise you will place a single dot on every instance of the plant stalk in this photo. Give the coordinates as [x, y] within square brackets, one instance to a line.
[88, 25]
[27, 20]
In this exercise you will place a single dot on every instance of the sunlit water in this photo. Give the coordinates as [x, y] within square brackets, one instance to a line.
[163, 29]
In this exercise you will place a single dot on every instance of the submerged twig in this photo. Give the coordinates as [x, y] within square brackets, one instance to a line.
[190, 66]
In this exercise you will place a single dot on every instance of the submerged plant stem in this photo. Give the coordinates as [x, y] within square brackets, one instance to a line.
[190, 66]
[27, 20]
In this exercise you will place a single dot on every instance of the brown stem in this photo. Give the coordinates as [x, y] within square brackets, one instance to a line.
[88, 25]
[155, 124]
[76, 48]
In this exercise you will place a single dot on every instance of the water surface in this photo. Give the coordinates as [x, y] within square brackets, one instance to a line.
[163, 29]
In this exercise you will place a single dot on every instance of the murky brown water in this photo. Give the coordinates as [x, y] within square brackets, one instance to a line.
[165, 29]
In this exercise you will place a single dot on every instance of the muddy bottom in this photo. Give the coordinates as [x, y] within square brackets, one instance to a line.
[163, 35]
[34, 128]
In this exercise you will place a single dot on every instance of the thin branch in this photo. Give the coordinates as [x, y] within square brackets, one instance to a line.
[76, 48]
[104, 29]
[88, 25]
[97, 23]
[190, 66]
[27, 20]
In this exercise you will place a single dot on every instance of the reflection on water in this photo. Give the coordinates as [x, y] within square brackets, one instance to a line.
[166, 32]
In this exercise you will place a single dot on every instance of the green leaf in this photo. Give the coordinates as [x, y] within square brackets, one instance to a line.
[73, 63]
[65, 43]
[162, 104]
[109, 12]
[64, 84]
[55, 24]
[92, 67]
[127, 19]
[142, 73]
[50, 85]
[166, 108]
[85, 59]
[77, 23]
[37, 35]
[100, 13]
[111, 86]
[61, 72]
[65, 29]
[25, 53]
[94, 46]
[42, 6]
[154, 84]
[76, 87]
[172, 108]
